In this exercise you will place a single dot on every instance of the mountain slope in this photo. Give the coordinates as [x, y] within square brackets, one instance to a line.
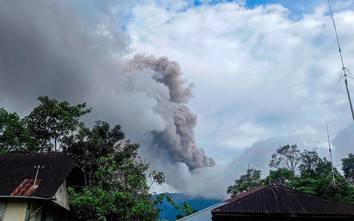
[168, 212]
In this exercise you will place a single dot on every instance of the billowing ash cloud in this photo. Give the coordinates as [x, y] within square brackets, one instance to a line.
[177, 139]
[73, 51]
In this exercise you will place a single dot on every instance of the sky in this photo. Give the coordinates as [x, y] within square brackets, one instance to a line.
[208, 88]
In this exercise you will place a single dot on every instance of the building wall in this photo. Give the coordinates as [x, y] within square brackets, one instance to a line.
[61, 196]
[31, 210]
[15, 210]
[35, 210]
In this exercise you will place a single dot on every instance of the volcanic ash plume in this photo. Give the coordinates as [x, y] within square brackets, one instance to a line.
[73, 51]
[177, 138]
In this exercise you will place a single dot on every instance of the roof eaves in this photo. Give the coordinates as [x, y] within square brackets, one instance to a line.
[27, 197]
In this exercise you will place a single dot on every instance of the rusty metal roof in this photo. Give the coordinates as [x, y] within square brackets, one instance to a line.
[26, 188]
[18, 172]
[241, 195]
[283, 201]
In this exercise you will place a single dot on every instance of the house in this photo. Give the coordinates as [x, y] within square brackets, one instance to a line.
[201, 215]
[281, 203]
[205, 214]
[33, 187]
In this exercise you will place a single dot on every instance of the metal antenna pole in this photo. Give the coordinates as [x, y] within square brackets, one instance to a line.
[344, 71]
[333, 174]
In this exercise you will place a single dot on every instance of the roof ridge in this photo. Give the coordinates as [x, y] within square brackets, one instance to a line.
[245, 194]
[278, 199]
[314, 195]
[33, 153]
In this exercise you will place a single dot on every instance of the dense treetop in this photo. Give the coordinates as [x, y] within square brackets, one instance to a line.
[305, 171]
[117, 185]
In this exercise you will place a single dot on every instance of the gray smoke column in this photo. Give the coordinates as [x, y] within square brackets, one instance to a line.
[177, 139]
[75, 51]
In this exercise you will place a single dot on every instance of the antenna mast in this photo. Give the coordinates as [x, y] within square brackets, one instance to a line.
[333, 173]
[344, 71]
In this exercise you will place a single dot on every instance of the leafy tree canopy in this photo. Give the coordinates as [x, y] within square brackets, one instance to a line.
[52, 121]
[287, 157]
[304, 171]
[14, 137]
[348, 167]
[117, 185]
[246, 182]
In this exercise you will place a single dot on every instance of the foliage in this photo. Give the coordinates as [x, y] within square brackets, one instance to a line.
[286, 157]
[246, 182]
[52, 121]
[304, 171]
[311, 163]
[14, 136]
[186, 210]
[348, 167]
[116, 176]
[281, 176]
[117, 186]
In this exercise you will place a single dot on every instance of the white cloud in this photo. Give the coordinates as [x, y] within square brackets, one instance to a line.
[259, 74]
[262, 78]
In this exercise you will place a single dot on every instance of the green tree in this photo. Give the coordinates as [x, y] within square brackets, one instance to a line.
[246, 182]
[305, 171]
[113, 196]
[341, 190]
[116, 176]
[281, 176]
[88, 145]
[286, 157]
[14, 135]
[185, 210]
[312, 165]
[52, 121]
[117, 183]
[348, 167]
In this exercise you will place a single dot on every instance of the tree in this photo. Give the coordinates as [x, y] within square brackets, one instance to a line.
[281, 176]
[348, 167]
[185, 210]
[52, 121]
[116, 176]
[342, 191]
[304, 171]
[88, 145]
[14, 136]
[246, 182]
[312, 165]
[117, 183]
[112, 196]
[286, 157]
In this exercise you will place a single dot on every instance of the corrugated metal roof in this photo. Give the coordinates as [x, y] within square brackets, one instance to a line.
[202, 215]
[26, 188]
[205, 214]
[16, 168]
[285, 201]
[238, 196]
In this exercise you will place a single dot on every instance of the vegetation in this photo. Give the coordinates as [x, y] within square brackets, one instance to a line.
[185, 210]
[117, 185]
[348, 167]
[304, 171]
[246, 182]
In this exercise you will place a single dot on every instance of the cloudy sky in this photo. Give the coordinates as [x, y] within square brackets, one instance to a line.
[197, 83]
